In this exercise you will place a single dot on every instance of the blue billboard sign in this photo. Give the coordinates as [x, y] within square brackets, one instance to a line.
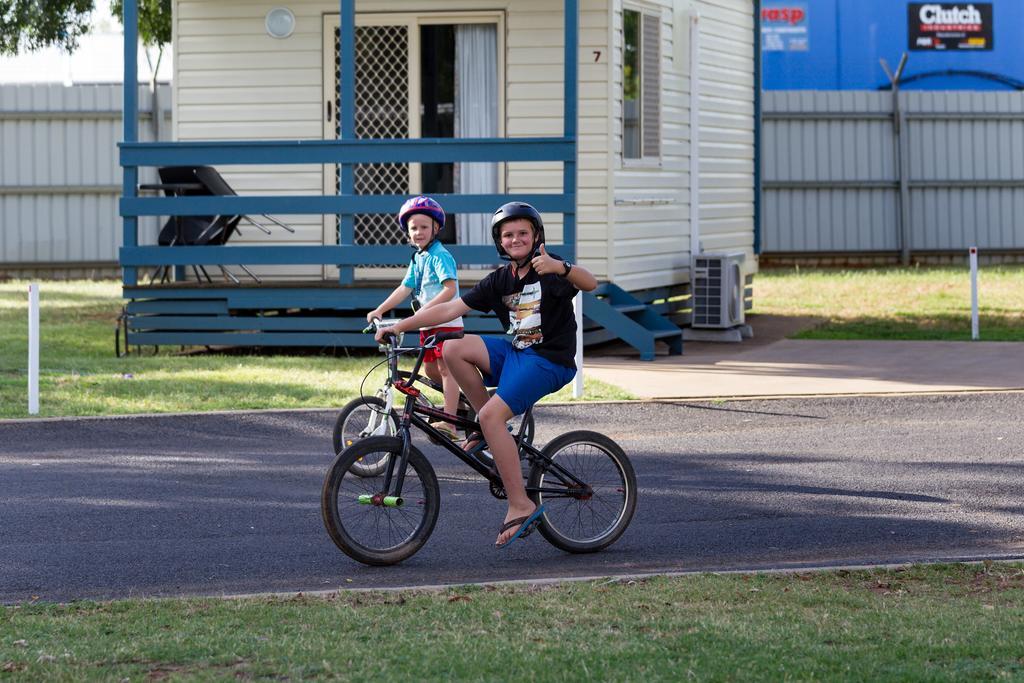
[838, 44]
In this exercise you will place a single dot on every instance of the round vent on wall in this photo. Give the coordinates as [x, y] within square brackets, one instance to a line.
[280, 22]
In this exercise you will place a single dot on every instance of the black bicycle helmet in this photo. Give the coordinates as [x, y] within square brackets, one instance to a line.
[509, 212]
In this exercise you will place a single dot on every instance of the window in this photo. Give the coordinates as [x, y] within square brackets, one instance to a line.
[641, 85]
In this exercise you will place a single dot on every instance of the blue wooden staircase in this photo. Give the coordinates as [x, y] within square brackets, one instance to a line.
[620, 315]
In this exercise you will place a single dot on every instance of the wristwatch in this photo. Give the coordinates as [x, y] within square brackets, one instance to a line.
[568, 267]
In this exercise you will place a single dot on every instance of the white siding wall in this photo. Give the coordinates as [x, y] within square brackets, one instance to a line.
[234, 82]
[651, 235]
[535, 107]
[727, 127]
[651, 201]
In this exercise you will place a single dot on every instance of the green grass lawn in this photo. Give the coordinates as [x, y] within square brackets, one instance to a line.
[896, 303]
[79, 374]
[926, 623]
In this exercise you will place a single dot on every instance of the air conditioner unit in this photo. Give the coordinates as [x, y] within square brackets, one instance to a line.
[717, 285]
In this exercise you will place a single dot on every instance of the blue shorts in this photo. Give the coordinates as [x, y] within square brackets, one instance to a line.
[522, 377]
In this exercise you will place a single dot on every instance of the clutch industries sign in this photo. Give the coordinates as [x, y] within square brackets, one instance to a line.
[941, 26]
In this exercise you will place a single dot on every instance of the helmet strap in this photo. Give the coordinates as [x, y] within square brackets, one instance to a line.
[519, 265]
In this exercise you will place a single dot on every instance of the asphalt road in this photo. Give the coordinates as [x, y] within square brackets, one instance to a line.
[228, 504]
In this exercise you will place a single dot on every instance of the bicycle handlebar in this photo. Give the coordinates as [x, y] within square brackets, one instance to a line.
[374, 323]
[430, 342]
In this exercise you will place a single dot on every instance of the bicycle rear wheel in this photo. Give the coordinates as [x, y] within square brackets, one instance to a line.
[360, 418]
[584, 519]
[359, 519]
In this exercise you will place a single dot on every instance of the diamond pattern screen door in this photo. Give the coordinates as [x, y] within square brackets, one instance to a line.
[392, 101]
[385, 80]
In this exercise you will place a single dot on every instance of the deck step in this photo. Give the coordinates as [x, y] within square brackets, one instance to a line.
[620, 315]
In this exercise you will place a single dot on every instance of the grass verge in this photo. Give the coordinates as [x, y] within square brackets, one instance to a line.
[935, 623]
[79, 374]
[896, 303]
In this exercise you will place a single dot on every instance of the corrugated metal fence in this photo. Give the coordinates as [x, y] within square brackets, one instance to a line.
[853, 172]
[59, 177]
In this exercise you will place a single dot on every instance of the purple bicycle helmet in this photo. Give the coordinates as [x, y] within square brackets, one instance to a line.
[424, 205]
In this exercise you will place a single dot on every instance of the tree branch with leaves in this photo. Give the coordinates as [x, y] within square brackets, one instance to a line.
[29, 25]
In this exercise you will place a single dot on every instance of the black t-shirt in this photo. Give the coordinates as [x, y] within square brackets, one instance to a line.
[536, 310]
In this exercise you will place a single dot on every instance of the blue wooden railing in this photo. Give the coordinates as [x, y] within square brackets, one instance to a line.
[345, 152]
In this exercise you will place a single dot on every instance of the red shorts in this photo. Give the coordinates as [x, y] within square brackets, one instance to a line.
[433, 354]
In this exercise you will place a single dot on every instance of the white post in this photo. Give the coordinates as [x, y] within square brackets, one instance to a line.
[695, 135]
[577, 382]
[33, 349]
[974, 292]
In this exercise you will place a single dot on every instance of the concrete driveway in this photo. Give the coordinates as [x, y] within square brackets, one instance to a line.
[771, 365]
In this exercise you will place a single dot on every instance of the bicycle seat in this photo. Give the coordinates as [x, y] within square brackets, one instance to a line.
[436, 339]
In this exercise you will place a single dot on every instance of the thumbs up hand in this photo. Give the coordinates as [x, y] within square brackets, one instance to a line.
[545, 264]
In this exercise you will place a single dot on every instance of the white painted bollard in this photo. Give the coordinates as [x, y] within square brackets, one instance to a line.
[577, 382]
[33, 349]
[974, 292]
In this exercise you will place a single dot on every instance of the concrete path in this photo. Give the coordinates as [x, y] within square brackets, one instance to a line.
[804, 367]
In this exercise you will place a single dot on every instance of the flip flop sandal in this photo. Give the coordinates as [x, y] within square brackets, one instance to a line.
[526, 526]
[474, 442]
[446, 429]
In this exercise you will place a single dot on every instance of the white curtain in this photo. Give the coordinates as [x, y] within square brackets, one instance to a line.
[476, 116]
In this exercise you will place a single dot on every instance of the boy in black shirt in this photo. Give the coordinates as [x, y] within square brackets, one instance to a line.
[532, 297]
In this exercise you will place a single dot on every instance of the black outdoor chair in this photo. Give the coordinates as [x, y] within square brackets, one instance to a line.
[201, 181]
[215, 185]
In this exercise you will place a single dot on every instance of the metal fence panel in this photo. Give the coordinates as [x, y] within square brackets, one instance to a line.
[832, 173]
[59, 176]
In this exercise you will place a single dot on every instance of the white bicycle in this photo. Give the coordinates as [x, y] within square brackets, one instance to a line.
[375, 415]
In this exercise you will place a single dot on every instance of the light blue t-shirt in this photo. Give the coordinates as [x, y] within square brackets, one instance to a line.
[427, 273]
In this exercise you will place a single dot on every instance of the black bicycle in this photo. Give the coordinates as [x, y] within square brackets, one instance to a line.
[384, 514]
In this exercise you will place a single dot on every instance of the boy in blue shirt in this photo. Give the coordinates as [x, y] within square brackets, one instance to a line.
[532, 297]
[433, 279]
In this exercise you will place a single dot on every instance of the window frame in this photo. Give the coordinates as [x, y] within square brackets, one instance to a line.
[641, 161]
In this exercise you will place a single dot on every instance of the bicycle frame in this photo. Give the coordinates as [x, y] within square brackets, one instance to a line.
[378, 424]
[413, 416]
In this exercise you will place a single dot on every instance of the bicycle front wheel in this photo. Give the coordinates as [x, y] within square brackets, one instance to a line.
[360, 418]
[369, 524]
[587, 518]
